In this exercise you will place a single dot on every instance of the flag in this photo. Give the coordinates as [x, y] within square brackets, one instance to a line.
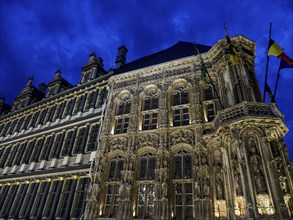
[232, 49]
[276, 50]
[203, 68]
[284, 65]
[269, 91]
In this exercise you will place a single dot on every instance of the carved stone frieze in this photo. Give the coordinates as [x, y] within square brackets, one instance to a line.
[147, 140]
[181, 136]
[118, 144]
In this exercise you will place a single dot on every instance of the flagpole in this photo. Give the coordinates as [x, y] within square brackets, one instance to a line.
[267, 65]
[276, 86]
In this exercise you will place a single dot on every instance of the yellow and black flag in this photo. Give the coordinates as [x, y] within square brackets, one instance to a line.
[276, 50]
[232, 49]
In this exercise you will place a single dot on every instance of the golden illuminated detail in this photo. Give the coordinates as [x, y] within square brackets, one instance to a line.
[61, 178]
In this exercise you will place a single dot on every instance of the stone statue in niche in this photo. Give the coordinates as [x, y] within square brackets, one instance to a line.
[238, 184]
[203, 159]
[220, 188]
[283, 185]
[196, 189]
[260, 181]
[252, 148]
[206, 187]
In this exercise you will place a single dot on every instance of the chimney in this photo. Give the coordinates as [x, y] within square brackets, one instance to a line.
[100, 61]
[92, 57]
[43, 87]
[121, 56]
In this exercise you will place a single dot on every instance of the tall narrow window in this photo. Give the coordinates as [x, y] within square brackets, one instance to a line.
[28, 201]
[146, 190]
[34, 119]
[209, 104]
[68, 142]
[42, 116]
[93, 136]
[4, 156]
[47, 147]
[20, 153]
[122, 116]
[79, 198]
[111, 201]
[12, 126]
[50, 114]
[19, 124]
[3, 193]
[57, 144]
[183, 201]
[11, 155]
[66, 199]
[116, 166]
[180, 107]
[28, 152]
[37, 150]
[80, 140]
[59, 111]
[147, 165]
[69, 107]
[150, 111]
[8, 201]
[182, 165]
[52, 199]
[40, 199]
[79, 104]
[102, 96]
[209, 92]
[14, 211]
[91, 100]
[26, 121]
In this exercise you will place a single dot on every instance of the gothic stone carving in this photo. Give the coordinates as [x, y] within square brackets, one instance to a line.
[182, 136]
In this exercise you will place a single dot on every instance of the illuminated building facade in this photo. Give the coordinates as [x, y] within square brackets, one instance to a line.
[148, 140]
[168, 150]
[47, 143]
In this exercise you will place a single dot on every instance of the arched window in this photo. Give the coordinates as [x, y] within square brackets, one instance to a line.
[182, 174]
[146, 186]
[180, 107]
[122, 116]
[124, 106]
[116, 166]
[112, 191]
[182, 165]
[147, 164]
[209, 92]
[180, 96]
[209, 103]
[150, 111]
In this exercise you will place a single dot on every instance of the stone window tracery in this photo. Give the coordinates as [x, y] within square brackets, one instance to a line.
[150, 111]
[122, 116]
[210, 108]
[180, 106]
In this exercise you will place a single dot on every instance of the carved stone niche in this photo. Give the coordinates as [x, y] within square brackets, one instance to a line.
[118, 144]
[181, 136]
[147, 140]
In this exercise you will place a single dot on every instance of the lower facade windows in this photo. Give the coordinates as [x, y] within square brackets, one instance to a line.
[145, 200]
[111, 200]
[183, 201]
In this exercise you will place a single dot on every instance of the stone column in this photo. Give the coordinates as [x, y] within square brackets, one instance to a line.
[273, 181]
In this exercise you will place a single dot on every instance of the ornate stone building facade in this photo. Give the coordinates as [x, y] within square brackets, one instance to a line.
[169, 150]
[47, 143]
[147, 140]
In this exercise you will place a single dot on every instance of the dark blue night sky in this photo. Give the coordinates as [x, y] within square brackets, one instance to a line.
[40, 36]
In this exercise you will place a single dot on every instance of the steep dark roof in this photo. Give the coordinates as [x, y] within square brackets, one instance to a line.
[177, 51]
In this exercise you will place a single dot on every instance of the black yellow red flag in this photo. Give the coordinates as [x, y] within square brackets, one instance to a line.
[276, 50]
